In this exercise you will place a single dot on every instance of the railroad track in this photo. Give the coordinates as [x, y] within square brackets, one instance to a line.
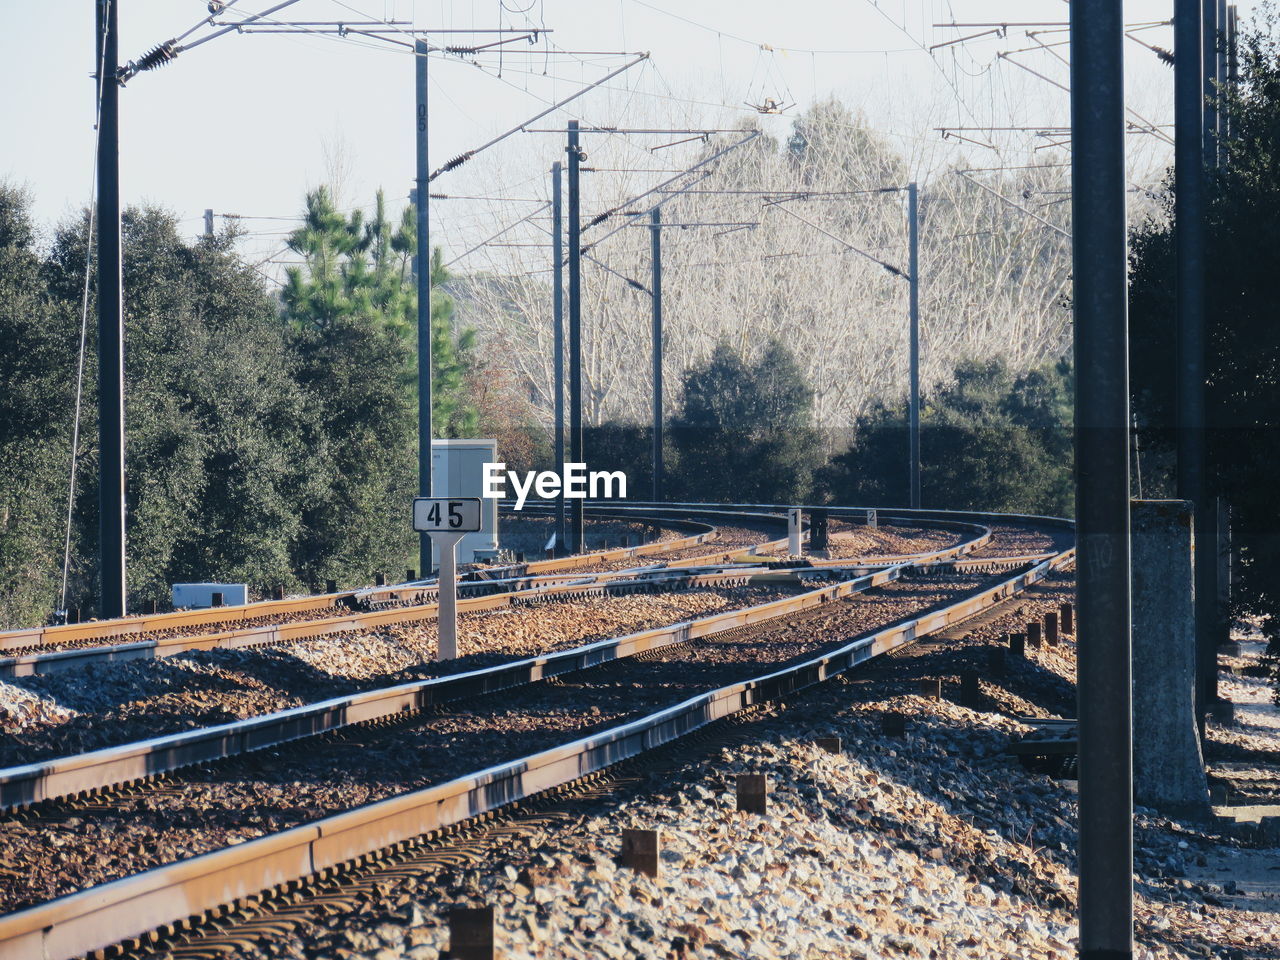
[284, 610]
[127, 907]
[411, 604]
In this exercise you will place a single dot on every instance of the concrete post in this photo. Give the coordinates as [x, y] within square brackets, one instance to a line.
[1168, 770]
[794, 546]
[640, 851]
[753, 793]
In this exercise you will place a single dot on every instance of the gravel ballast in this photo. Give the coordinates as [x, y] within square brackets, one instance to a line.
[270, 790]
[64, 713]
[927, 846]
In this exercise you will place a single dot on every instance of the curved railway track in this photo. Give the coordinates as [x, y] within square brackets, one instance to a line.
[278, 622]
[594, 707]
[179, 623]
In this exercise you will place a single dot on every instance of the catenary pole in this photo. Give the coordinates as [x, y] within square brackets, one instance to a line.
[424, 297]
[557, 303]
[1220, 42]
[111, 504]
[655, 242]
[575, 329]
[1099, 265]
[1208, 47]
[913, 268]
[1190, 134]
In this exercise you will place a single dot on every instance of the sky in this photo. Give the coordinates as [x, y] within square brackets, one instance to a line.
[246, 123]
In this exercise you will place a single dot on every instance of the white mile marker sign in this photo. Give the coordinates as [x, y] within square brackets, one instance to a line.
[447, 520]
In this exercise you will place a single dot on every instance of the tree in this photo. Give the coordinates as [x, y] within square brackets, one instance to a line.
[353, 308]
[744, 432]
[37, 384]
[989, 441]
[1243, 342]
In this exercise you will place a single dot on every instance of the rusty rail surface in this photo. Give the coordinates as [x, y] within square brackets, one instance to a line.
[177, 619]
[82, 922]
[112, 766]
[62, 660]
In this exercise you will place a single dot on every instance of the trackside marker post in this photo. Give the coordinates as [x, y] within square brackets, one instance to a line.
[794, 528]
[447, 520]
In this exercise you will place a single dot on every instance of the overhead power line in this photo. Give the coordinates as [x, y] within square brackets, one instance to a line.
[462, 158]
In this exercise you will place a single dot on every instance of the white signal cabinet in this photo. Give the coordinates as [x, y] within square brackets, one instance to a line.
[457, 467]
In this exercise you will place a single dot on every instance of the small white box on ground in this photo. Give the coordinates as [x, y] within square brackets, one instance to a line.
[200, 595]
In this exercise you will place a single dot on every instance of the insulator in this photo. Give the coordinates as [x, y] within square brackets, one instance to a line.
[457, 161]
[156, 57]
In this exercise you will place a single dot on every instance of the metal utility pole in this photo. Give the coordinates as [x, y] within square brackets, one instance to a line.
[111, 509]
[1100, 305]
[1220, 40]
[913, 269]
[1190, 134]
[557, 302]
[1233, 32]
[1209, 52]
[656, 250]
[1230, 61]
[424, 297]
[575, 328]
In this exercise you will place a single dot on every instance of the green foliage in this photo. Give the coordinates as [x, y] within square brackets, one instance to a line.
[362, 272]
[616, 445]
[268, 440]
[991, 440]
[744, 432]
[1243, 340]
[37, 381]
[353, 308]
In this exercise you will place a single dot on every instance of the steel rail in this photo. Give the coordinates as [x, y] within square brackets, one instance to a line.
[100, 916]
[63, 660]
[113, 766]
[176, 619]
[60, 661]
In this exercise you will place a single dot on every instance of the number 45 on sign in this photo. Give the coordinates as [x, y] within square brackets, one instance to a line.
[447, 520]
[446, 514]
